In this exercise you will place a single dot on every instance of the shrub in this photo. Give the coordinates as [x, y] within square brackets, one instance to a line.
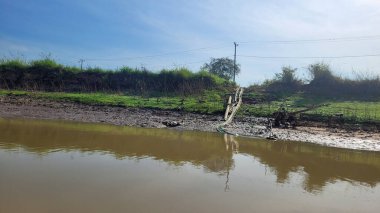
[284, 83]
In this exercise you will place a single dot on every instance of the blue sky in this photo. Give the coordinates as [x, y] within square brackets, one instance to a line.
[114, 33]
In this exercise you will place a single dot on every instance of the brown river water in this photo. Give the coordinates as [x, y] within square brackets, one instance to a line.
[48, 166]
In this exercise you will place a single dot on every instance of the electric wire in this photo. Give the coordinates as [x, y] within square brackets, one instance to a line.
[309, 57]
[337, 39]
[156, 55]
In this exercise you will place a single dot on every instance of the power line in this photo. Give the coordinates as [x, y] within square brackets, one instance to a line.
[309, 57]
[339, 39]
[156, 55]
[194, 62]
[189, 63]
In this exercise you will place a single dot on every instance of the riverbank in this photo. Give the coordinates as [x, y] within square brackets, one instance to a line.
[12, 106]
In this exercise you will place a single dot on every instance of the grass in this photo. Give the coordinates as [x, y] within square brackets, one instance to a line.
[209, 102]
[351, 110]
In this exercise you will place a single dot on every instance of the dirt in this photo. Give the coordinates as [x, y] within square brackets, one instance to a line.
[26, 107]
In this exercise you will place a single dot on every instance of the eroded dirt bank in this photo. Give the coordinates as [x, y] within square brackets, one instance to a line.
[26, 107]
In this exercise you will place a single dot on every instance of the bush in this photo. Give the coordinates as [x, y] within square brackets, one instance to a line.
[284, 83]
[325, 83]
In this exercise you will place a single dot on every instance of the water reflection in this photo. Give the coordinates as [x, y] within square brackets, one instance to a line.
[231, 143]
[320, 164]
[177, 148]
[214, 152]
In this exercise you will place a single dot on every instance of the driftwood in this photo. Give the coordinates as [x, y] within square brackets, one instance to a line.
[232, 107]
[228, 109]
[288, 119]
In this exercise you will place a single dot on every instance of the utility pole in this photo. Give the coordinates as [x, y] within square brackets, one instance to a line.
[81, 64]
[235, 60]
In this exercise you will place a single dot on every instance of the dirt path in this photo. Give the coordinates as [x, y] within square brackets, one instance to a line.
[26, 107]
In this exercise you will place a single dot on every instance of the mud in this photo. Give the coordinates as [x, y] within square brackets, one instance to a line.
[27, 107]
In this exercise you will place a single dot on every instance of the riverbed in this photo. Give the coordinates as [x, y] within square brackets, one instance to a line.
[56, 166]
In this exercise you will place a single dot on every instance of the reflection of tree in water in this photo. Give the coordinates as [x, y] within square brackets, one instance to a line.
[320, 165]
[173, 147]
[218, 164]
[203, 149]
[223, 164]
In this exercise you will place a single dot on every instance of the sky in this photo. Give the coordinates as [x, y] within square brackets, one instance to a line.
[167, 34]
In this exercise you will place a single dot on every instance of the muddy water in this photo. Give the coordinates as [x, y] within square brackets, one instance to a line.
[71, 167]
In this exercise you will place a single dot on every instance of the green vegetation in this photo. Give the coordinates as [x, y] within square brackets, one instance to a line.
[352, 100]
[350, 111]
[222, 67]
[209, 102]
[323, 83]
[177, 89]
[283, 83]
[47, 75]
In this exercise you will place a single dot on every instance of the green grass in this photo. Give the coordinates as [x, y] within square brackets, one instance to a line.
[209, 102]
[357, 111]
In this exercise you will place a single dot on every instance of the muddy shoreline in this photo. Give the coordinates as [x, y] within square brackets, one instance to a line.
[27, 107]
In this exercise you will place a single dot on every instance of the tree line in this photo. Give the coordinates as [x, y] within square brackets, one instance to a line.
[48, 75]
[323, 82]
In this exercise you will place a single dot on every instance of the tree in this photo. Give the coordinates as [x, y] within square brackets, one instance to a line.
[222, 67]
[323, 82]
[284, 82]
[321, 73]
[287, 76]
